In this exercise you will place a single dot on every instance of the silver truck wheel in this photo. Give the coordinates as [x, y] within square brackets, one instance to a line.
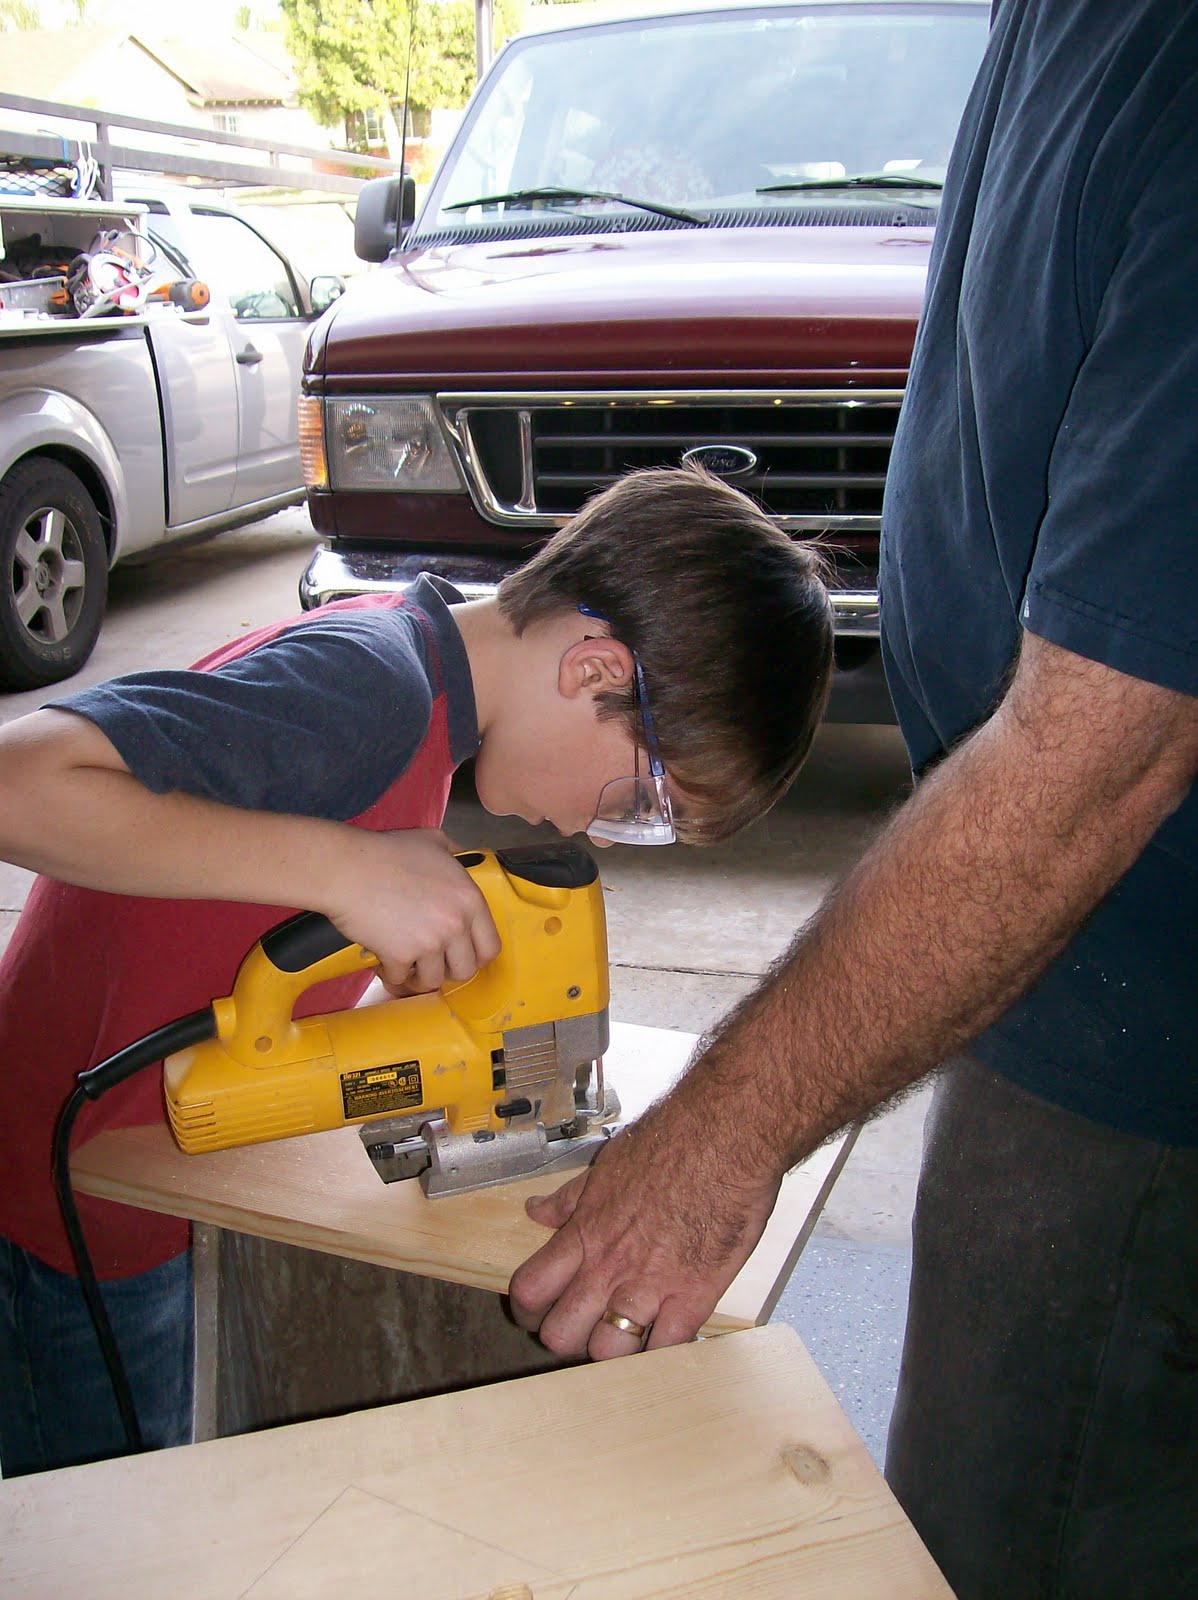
[55, 575]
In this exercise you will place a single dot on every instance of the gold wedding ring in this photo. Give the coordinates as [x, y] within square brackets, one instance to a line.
[625, 1324]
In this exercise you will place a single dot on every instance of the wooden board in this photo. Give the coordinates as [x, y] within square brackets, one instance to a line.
[321, 1192]
[703, 1472]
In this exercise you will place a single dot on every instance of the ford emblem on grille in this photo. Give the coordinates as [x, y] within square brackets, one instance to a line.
[725, 460]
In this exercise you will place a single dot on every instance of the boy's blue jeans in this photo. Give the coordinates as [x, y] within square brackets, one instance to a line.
[1045, 1436]
[56, 1402]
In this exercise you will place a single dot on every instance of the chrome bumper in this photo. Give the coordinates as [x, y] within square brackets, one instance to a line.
[334, 575]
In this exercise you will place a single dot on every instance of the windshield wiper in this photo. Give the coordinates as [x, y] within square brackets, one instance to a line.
[550, 191]
[862, 180]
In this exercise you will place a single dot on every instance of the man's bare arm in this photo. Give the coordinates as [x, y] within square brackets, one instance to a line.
[70, 808]
[976, 884]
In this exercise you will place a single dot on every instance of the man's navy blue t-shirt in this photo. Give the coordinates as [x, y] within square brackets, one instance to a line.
[1045, 477]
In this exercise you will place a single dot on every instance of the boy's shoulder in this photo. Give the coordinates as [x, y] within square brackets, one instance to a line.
[396, 646]
[319, 713]
[396, 619]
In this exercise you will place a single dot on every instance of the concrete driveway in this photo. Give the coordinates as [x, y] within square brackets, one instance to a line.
[690, 931]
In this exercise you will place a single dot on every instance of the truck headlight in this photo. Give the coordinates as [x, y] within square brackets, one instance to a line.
[388, 444]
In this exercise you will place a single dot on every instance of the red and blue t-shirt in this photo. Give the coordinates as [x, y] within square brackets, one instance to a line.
[359, 712]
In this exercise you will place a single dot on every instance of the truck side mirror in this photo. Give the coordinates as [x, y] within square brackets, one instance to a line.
[323, 290]
[386, 209]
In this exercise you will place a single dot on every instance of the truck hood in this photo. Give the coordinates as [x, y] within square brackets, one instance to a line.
[731, 306]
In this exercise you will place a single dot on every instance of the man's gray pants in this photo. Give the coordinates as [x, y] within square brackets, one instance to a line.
[1045, 1436]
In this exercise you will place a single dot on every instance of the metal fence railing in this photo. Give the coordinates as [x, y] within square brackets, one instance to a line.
[113, 141]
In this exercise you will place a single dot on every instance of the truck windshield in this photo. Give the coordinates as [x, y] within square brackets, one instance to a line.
[704, 112]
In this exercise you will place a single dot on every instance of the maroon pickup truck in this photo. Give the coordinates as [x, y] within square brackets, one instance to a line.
[697, 234]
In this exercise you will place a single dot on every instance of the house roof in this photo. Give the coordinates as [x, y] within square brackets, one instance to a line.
[38, 62]
[222, 70]
[230, 70]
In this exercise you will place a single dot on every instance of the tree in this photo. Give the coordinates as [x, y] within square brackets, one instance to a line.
[352, 55]
[17, 16]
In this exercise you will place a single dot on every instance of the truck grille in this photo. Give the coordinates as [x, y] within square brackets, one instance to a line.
[816, 460]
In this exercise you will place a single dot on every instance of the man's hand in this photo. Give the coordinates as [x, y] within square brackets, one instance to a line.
[654, 1231]
[404, 896]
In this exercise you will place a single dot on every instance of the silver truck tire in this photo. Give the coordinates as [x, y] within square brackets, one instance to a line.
[54, 564]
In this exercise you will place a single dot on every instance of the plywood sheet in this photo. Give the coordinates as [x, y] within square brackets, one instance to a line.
[709, 1470]
[322, 1193]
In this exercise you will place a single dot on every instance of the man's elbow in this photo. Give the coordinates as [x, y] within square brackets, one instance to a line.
[1106, 739]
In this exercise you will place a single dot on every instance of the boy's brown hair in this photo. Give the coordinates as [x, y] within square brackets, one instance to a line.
[729, 618]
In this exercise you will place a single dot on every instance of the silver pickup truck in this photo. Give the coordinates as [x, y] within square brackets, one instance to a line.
[129, 428]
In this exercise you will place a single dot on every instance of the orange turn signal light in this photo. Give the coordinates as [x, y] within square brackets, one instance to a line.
[313, 460]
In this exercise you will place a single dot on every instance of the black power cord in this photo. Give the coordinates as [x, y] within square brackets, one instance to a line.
[90, 1085]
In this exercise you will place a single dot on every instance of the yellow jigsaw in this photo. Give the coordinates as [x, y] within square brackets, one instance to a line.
[488, 1080]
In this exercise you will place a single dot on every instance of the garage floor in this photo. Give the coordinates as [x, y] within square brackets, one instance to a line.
[690, 932]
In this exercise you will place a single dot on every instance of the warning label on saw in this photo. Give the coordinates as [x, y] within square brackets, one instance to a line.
[378, 1091]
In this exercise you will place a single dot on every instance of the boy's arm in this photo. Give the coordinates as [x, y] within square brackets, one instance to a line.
[973, 888]
[70, 808]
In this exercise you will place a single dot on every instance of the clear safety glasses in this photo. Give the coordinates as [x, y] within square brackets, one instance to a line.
[635, 810]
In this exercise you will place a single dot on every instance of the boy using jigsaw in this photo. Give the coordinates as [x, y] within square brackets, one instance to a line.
[656, 671]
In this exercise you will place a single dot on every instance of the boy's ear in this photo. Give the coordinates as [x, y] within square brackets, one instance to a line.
[592, 666]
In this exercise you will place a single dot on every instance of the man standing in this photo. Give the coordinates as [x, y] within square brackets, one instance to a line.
[1029, 917]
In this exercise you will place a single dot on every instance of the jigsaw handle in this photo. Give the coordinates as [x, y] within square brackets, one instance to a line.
[528, 891]
[302, 941]
[255, 1021]
[309, 938]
